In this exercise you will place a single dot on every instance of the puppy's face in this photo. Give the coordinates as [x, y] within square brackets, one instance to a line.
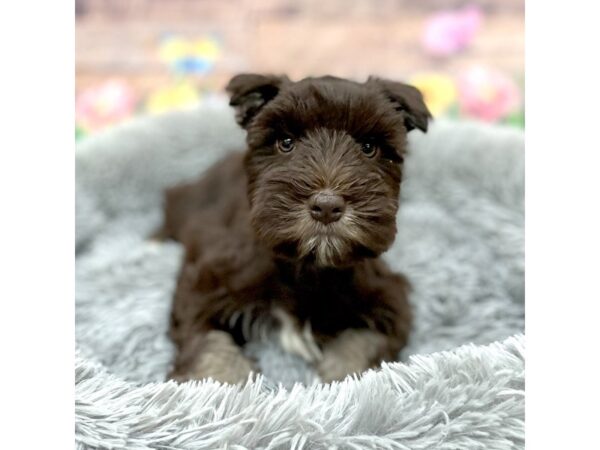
[324, 162]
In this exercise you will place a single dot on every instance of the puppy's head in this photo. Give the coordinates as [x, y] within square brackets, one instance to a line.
[324, 162]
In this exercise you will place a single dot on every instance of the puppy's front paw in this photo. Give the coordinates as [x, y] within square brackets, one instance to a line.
[220, 359]
[336, 367]
[351, 352]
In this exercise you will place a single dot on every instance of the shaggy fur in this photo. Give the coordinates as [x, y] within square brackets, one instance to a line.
[287, 235]
[459, 241]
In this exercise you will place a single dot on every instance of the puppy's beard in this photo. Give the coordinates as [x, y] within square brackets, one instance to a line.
[327, 250]
[332, 244]
[297, 235]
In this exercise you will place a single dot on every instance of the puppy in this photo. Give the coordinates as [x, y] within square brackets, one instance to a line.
[286, 237]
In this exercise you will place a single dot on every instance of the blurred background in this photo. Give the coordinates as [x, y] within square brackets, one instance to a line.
[149, 56]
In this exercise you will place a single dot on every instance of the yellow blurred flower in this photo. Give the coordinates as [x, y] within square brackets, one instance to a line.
[174, 48]
[439, 91]
[189, 56]
[182, 95]
[206, 48]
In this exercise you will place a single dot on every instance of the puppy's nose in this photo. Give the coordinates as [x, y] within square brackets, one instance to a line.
[327, 207]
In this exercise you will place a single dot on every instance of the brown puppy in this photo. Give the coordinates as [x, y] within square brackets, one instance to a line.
[286, 236]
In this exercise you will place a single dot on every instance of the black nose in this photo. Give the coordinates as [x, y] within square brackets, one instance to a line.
[326, 207]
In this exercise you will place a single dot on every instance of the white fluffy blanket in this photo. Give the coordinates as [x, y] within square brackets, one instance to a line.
[460, 384]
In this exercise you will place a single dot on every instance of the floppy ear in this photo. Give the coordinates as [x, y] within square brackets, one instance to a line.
[407, 99]
[249, 92]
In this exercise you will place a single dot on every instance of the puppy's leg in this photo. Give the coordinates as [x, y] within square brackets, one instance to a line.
[212, 355]
[387, 326]
[351, 352]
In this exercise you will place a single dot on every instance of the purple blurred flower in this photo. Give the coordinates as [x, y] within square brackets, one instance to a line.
[448, 32]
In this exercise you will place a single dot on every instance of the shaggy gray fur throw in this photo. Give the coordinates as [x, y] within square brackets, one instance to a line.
[460, 384]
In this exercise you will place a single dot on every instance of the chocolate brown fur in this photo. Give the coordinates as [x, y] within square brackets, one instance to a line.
[256, 259]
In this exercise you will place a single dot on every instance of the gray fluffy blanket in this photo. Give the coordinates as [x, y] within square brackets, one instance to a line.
[460, 382]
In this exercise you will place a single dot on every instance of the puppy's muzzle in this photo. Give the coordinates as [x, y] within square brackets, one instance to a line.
[326, 207]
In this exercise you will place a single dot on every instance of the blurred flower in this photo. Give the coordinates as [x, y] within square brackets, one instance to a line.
[189, 56]
[182, 95]
[448, 32]
[488, 95]
[103, 105]
[439, 91]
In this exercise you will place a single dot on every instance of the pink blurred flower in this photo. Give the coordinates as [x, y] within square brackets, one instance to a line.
[104, 105]
[448, 32]
[487, 95]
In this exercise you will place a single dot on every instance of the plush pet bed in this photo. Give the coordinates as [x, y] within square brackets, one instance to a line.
[460, 381]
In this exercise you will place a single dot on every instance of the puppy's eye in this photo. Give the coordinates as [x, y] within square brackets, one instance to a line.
[369, 149]
[285, 145]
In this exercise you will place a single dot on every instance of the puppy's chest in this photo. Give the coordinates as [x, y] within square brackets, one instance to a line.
[305, 312]
[330, 305]
[312, 312]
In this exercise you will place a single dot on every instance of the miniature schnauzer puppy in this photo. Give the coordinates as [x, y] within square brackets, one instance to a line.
[285, 238]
